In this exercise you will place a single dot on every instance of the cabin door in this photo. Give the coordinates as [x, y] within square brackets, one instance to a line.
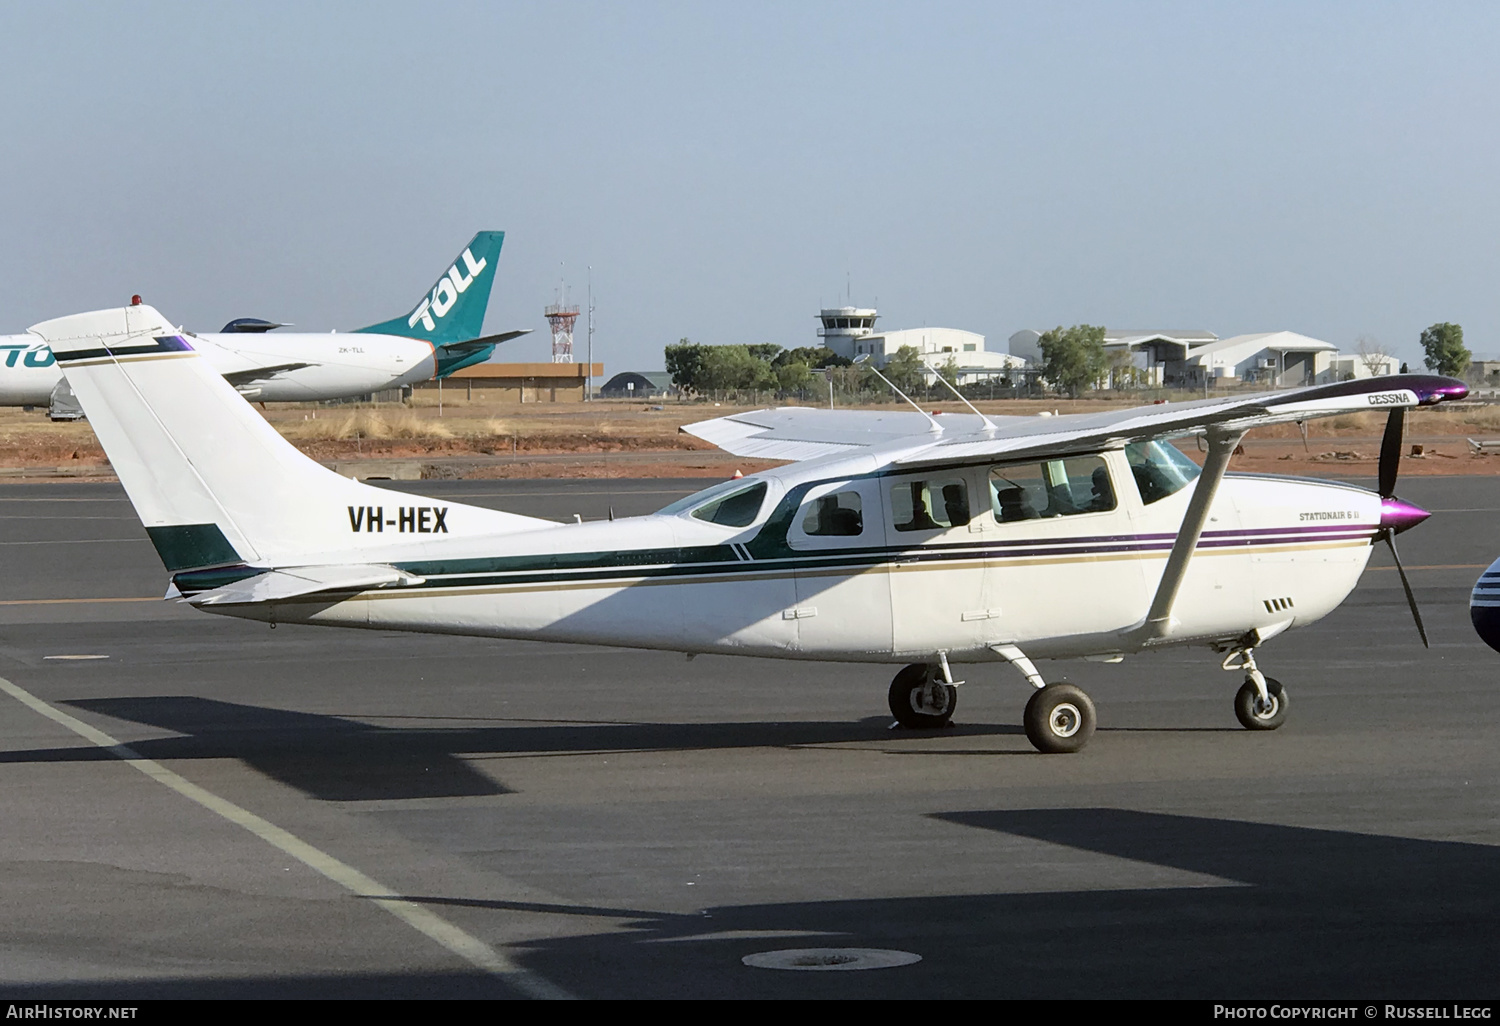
[935, 537]
[843, 588]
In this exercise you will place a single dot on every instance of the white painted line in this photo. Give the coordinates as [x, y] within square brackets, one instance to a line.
[73, 601]
[466, 946]
[78, 541]
[76, 657]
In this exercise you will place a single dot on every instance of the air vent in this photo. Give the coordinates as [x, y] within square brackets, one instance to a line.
[1276, 605]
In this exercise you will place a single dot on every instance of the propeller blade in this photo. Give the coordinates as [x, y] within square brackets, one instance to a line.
[1390, 452]
[1411, 600]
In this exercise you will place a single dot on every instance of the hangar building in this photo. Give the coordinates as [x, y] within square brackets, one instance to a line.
[1195, 358]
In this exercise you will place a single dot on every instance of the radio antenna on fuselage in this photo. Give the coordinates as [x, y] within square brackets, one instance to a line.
[865, 356]
[989, 425]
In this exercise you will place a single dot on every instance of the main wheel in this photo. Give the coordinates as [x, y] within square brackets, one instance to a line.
[918, 699]
[1254, 714]
[1059, 718]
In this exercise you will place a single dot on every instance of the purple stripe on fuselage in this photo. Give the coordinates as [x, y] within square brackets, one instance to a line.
[1255, 536]
[1132, 543]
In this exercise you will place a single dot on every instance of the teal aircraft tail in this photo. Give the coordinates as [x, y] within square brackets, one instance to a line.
[453, 309]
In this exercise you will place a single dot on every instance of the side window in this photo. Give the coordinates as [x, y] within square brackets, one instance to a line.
[930, 505]
[1056, 488]
[1159, 469]
[836, 515]
[737, 509]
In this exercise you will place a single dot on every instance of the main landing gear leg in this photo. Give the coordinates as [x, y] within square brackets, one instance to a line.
[1059, 717]
[923, 696]
[1261, 702]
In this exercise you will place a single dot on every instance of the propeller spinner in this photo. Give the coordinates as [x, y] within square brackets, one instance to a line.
[1397, 515]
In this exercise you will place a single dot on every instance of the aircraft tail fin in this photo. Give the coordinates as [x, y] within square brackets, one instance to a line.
[453, 309]
[212, 481]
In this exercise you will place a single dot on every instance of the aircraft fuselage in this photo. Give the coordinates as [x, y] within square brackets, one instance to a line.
[339, 365]
[1276, 553]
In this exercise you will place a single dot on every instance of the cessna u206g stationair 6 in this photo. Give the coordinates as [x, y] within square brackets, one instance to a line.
[895, 538]
[438, 337]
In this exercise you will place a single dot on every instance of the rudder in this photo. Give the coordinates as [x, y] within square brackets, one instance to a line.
[453, 309]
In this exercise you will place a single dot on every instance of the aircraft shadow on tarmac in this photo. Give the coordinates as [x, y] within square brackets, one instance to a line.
[335, 759]
[1301, 913]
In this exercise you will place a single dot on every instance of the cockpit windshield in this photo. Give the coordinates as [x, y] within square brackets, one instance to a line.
[1159, 469]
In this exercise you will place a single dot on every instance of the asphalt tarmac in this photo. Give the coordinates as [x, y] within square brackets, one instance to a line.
[309, 812]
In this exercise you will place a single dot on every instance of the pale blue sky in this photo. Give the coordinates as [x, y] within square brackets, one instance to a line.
[1324, 168]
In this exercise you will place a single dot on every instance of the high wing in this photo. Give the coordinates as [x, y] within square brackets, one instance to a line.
[240, 379]
[802, 433]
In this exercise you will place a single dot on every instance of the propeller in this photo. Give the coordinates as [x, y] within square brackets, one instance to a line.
[1396, 515]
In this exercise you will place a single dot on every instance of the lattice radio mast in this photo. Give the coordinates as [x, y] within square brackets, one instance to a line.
[562, 317]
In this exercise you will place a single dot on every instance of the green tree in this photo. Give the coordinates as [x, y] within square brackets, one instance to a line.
[905, 369]
[793, 377]
[949, 371]
[1444, 346]
[734, 369]
[816, 357]
[685, 364]
[1121, 369]
[850, 379]
[1073, 359]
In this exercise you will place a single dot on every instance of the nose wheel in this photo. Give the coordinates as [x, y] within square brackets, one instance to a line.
[1256, 713]
[1261, 702]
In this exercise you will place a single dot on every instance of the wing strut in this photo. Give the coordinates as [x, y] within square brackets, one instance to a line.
[1221, 445]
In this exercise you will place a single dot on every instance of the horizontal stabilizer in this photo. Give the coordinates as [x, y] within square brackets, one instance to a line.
[454, 356]
[240, 379]
[484, 340]
[276, 585]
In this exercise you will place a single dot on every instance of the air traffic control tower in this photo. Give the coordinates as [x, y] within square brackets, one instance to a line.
[844, 326]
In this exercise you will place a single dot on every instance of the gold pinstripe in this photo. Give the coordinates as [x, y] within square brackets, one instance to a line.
[648, 582]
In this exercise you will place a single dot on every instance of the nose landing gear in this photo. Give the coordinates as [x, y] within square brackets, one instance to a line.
[1261, 702]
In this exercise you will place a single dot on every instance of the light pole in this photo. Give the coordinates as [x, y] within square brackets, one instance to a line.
[588, 372]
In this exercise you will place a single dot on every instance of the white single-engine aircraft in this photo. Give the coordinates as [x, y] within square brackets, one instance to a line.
[441, 335]
[895, 538]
